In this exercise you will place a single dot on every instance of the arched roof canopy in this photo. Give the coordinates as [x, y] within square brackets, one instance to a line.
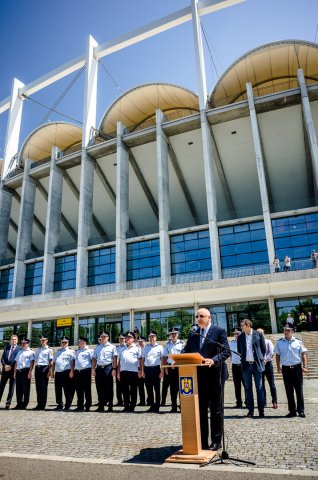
[38, 145]
[270, 68]
[136, 109]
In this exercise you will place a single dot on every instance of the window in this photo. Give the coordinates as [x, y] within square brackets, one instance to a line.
[65, 273]
[33, 278]
[101, 266]
[6, 283]
[143, 260]
[160, 321]
[190, 253]
[243, 246]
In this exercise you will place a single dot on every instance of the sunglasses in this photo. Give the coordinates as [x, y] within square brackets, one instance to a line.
[200, 316]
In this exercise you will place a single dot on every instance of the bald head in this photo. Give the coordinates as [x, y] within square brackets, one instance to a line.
[203, 317]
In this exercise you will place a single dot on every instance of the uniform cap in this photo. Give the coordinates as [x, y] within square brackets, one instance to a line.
[141, 339]
[130, 334]
[152, 333]
[25, 340]
[83, 339]
[104, 334]
[43, 337]
[173, 330]
[288, 326]
[65, 339]
[122, 335]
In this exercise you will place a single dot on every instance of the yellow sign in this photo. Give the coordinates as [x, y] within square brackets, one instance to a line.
[64, 322]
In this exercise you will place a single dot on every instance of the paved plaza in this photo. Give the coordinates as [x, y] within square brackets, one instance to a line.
[274, 442]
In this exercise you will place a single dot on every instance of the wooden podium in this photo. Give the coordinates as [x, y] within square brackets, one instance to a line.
[191, 452]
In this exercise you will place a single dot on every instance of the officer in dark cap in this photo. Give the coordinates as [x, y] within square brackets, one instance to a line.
[141, 380]
[81, 370]
[128, 371]
[175, 347]
[104, 367]
[24, 363]
[120, 348]
[62, 363]
[43, 367]
[151, 370]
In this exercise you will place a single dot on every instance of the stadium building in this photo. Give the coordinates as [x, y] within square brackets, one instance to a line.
[173, 202]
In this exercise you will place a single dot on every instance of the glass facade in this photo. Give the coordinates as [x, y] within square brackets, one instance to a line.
[101, 266]
[91, 327]
[243, 247]
[33, 278]
[307, 306]
[53, 333]
[65, 273]
[161, 320]
[229, 315]
[143, 260]
[6, 331]
[6, 283]
[190, 253]
[296, 237]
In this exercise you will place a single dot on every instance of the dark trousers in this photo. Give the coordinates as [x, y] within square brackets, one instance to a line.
[293, 381]
[41, 383]
[250, 371]
[129, 383]
[152, 382]
[210, 397]
[104, 385]
[5, 376]
[165, 388]
[83, 387]
[238, 382]
[173, 375]
[119, 392]
[141, 391]
[23, 384]
[63, 383]
[269, 374]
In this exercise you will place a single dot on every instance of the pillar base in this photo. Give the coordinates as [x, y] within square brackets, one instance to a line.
[203, 457]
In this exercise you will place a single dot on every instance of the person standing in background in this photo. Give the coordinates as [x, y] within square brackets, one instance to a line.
[7, 362]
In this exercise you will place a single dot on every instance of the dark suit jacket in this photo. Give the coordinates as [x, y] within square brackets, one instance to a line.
[258, 346]
[209, 349]
[5, 355]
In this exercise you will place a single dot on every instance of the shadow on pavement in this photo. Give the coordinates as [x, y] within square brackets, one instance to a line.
[154, 455]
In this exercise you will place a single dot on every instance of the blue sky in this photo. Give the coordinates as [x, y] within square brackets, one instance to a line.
[36, 36]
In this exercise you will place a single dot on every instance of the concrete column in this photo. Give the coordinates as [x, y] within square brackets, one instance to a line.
[76, 329]
[261, 174]
[24, 239]
[163, 200]
[132, 320]
[87, 166]
[29, 330]
[272, 312]
[11, 145]
[209, 168]
[53, 222]
[309, 125]
[5, 212]
[122, 205]
[84, 218]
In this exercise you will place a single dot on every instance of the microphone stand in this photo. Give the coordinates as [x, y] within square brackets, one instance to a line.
[224, 455]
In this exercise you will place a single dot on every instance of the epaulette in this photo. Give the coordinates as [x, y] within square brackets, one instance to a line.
[283, 338]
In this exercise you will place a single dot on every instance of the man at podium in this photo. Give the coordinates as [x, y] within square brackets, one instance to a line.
[210, 379]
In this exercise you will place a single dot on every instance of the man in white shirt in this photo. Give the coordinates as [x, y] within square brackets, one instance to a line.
[24, 364]
[151, 370]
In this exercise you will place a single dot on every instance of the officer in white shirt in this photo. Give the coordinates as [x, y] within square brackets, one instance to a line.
[81, 370]
[62, 363]
[175, 347]
[24, 364]
[291, 360]
[120, 348]
[43, 366]
[151, 371]
[128, 371]
[104, 367]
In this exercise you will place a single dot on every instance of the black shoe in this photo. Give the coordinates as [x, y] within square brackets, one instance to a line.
[18, 407]
[215, 446]
[119, 404]
[125, 410]
[250, 414]
[110, 409]
[239, 405]
[262, 415]
[141, 404]
[162, 404]
[100, 409]
[67, 407]
[7, 407]
[37, 408]
[59, 407]
[87, 409]
[174, 410]
[79, 409]
[150, 410]
[302, 415]
[291, 414]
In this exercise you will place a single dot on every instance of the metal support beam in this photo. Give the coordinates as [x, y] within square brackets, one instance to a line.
[105, 182]
[11, 145]
[309, 167]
